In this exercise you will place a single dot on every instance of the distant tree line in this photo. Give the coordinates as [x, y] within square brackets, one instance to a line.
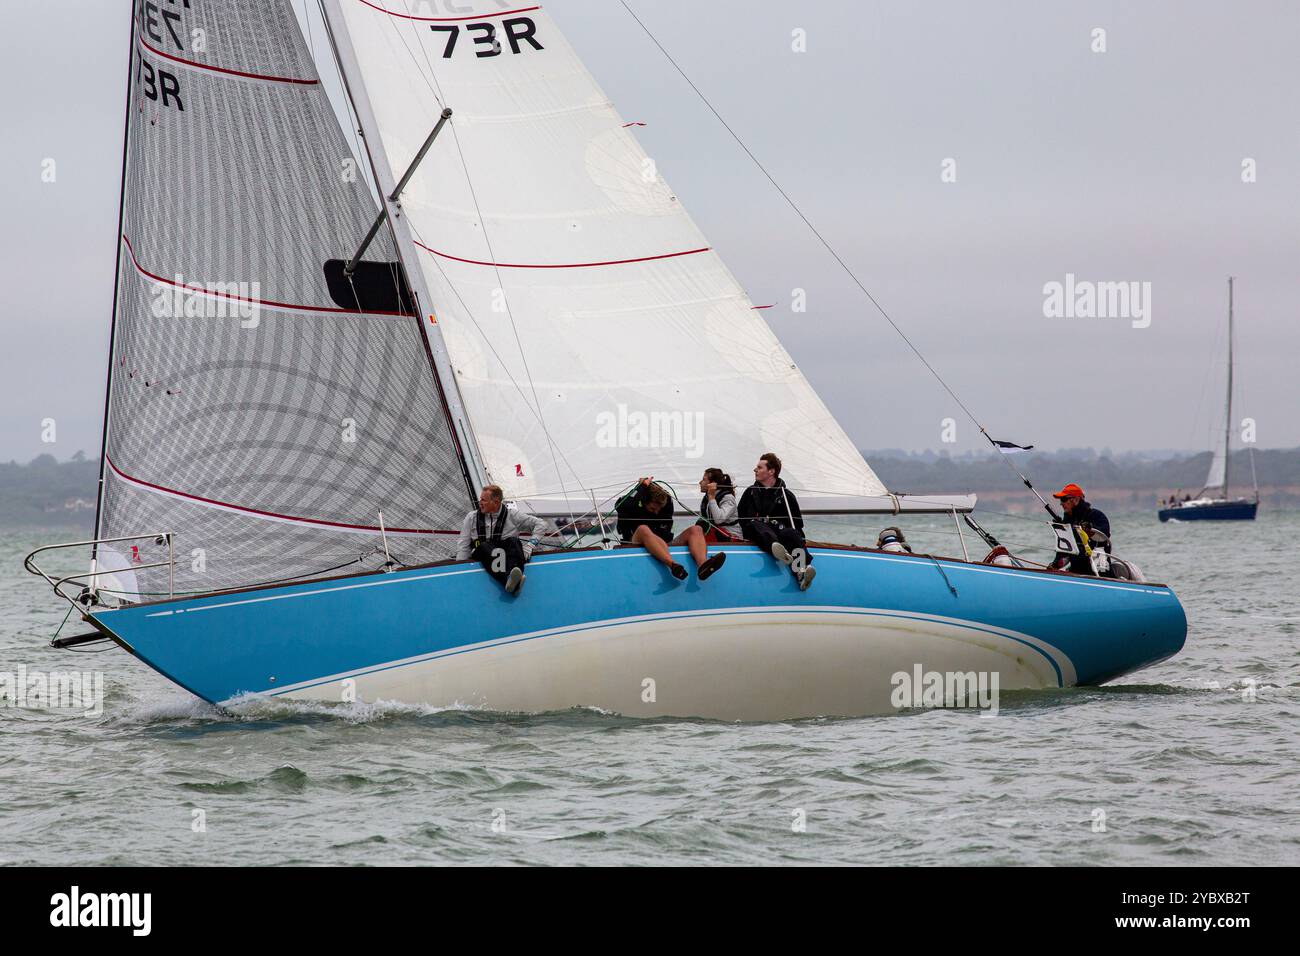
[46, 491]
[1276, 468]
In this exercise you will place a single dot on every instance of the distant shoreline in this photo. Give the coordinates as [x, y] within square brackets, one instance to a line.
[1129, 499]
[1130, 481]
[46, 492]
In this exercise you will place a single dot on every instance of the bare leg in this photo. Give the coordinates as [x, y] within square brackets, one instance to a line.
[652, 543]
[698, 544]
[693, 538]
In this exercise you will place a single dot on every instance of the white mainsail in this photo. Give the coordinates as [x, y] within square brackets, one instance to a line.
[595, 334]
[251, 413]
[1217, 479]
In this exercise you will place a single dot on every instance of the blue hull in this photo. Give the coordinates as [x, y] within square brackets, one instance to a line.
[1216, 511]
[613, 629]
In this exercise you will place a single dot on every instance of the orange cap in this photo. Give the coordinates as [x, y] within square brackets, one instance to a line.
[1069, 491]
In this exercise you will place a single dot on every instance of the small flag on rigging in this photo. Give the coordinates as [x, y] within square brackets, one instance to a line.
[1009, 447]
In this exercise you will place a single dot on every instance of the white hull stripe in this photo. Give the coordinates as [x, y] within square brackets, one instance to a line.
[680, 615]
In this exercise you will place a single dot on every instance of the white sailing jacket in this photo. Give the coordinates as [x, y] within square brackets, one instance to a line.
[721, 511]
[517, 524]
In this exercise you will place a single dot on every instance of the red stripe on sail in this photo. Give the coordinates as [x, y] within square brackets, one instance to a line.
[222, 69]
[269, 303]
[562, 265]
[270, 514]
[477, 16]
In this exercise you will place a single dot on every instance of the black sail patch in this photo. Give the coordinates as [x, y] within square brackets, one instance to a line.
[374, 287]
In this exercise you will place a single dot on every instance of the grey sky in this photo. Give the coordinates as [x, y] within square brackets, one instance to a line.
[1123, 165]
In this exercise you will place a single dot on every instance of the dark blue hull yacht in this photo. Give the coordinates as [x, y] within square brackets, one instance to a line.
[1218, 507]
[1241, 509]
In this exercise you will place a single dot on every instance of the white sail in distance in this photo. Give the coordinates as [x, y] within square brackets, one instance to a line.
[595, 334]
[1215, 479]
[1218, 476]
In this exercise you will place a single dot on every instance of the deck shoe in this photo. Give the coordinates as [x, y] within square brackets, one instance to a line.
[678, 571]
[711, 565]
[515, 581]
[806, 577]
[781, 554]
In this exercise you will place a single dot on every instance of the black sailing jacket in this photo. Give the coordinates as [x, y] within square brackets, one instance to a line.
[632, 511]
[1087, 517]
[776, 504]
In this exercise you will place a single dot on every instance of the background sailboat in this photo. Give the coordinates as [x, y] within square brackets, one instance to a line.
[1212, 502]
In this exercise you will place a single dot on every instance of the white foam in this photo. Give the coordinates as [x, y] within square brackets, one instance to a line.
[356, 712]
[164, 707]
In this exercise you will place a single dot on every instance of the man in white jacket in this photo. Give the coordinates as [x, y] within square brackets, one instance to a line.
[494, 536]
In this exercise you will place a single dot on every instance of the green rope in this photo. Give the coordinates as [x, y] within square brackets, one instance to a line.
[65, 621]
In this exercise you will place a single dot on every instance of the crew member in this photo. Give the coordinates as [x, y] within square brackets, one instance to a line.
[492, 535]
[1093, 524]
[717, 513]
[770, 517]
[645, 517]
[718, 508]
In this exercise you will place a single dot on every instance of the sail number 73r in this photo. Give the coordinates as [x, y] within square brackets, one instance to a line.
[517, 30]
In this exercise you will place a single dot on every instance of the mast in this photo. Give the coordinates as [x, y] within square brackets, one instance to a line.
[1227, 421]
[444, 378]
[117, 276]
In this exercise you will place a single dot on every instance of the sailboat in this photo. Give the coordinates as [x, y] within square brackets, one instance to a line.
[1212, 502]
[310, 381]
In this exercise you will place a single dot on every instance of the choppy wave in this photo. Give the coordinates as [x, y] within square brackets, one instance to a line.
[1194, 760]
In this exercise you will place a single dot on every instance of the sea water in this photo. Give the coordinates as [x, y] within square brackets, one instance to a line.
[1192, 761]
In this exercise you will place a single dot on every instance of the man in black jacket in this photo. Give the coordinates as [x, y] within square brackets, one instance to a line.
[645, 517]
[770, 517]
[1091, 521]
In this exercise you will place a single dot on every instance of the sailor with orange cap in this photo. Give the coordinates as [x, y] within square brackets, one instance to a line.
[1092, 530]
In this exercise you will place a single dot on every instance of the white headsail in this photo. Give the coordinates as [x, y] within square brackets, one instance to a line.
[1214, 481]
[595, 334]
